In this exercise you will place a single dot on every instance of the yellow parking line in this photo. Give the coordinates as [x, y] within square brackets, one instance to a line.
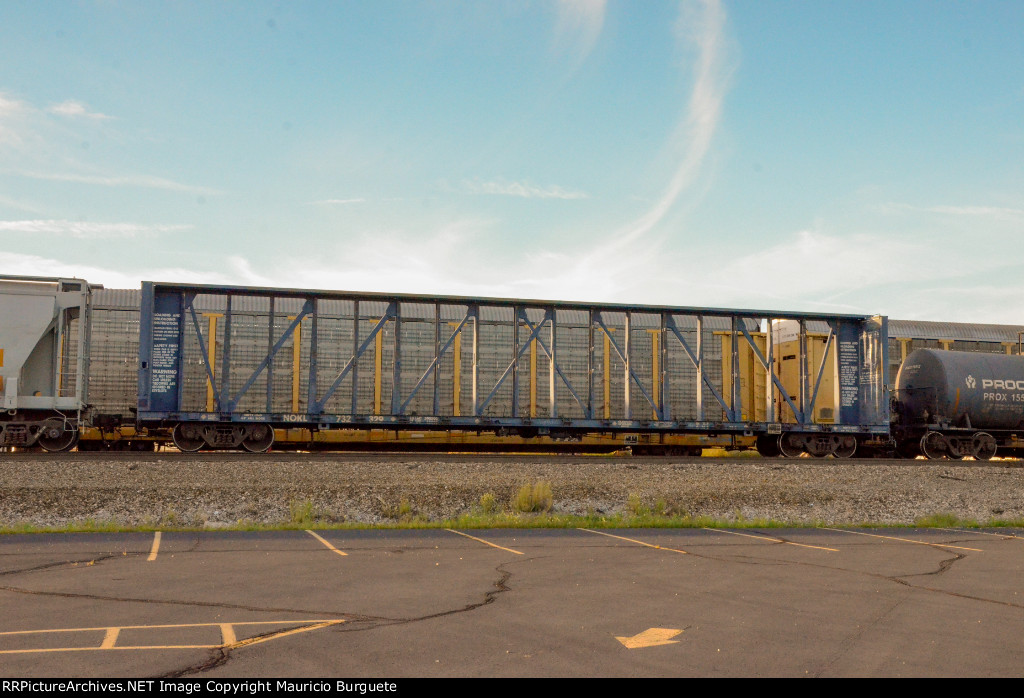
[329, 546]
[110, 638]
[632, 540]
[229, 639]
[768, 539]
[905, 540]
[481, 540]
[104, 649]
[283, 633]
[168, 625]
[155, 548]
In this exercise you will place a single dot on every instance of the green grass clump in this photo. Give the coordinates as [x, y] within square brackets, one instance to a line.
[535, 498]
[944, 520]
[301, 512]
[488, 503]
[635, 506]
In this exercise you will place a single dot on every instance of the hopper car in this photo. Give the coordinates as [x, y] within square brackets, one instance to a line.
[207, 367]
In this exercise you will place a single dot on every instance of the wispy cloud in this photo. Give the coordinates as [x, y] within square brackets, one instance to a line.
[74, 108]
[700, 25]
[523, 189]
[139, 181]
[994, 213]
[89, 230]
[45, 144]
[624, 265]
[578, 27]
[335, 202]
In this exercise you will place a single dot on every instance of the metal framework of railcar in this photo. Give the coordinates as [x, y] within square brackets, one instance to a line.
[168, 313]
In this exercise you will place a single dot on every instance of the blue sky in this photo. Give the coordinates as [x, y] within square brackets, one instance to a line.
[848, 156]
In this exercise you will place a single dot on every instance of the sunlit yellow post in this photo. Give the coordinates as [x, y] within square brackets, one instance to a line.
[211, 355]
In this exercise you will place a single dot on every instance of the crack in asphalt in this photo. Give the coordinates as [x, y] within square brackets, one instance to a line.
[64, 563]
[222, 655]
[849, 642]
[181, 602]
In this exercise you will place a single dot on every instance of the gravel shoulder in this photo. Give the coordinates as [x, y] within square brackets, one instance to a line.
[172, 489]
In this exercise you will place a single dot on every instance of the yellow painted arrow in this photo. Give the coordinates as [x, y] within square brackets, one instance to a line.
[650, 638]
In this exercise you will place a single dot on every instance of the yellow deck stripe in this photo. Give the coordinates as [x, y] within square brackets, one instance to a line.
[227, 634]
[155, 548]
[767, 539]
[632, 540]
[329, 546]
[481, 540]
[905, 540]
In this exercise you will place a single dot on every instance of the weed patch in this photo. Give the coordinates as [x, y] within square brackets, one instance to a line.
[534, 498]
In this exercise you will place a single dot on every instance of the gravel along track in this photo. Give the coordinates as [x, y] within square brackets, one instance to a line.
[217, 490]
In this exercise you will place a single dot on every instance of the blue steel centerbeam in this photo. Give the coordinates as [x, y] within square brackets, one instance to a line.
[400, 403]
[499, 302]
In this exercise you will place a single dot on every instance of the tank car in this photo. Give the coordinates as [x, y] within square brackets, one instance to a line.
[956, 404]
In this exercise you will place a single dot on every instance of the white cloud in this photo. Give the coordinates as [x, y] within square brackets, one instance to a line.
[34, 265]
[74, 108]
[523, 189]
[88, 230]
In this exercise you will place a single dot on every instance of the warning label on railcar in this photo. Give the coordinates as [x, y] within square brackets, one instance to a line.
[848, 365]
[166, 350]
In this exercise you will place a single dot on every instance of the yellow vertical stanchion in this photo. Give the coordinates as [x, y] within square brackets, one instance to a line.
[456, 373]
[533, 378]
[607, 377]
[655, 356]
[211, 355]
[296, 356]
[378, 364]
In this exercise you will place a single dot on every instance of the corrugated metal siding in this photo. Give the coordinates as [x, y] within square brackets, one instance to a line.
[918, 329]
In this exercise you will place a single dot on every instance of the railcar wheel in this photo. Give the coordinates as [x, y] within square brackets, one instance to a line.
[983, 446]
[768, 446]
[791, 445]
[846, 448]
[259, 439]
[55, 437]
[934, 446]
[187, 437]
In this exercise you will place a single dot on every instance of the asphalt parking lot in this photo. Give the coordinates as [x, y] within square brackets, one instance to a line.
[511, 602]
